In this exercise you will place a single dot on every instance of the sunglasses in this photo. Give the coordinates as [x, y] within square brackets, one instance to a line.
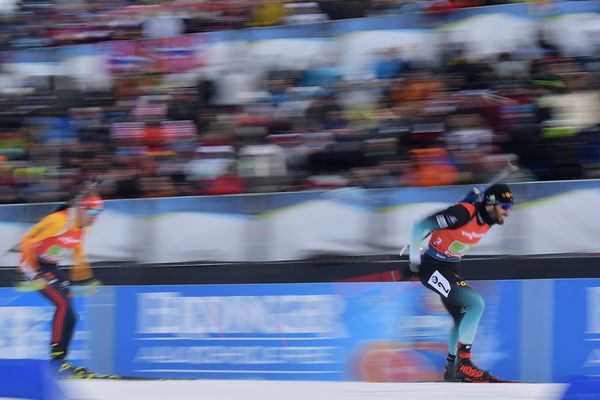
[506, 206]
[93, 211]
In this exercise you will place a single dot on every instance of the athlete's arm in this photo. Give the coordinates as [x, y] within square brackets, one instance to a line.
[48, 226]
[81, 271]
[452, 217]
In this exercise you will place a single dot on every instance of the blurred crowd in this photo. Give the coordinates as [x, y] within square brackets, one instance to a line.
[45, 23]
[405, 123]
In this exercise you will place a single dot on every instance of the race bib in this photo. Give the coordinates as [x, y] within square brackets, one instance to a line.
[439, 283]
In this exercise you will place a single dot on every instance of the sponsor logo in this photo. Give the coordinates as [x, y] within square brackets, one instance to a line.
[441, 221]
[53, 251]
[472, 235]
[456, 249]
[437, 242]
[470, 371]
[451, 254]
[68, 240]
[174, 313]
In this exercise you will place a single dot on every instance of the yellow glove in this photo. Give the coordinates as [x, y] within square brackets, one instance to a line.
[86, 287]
[39, 282]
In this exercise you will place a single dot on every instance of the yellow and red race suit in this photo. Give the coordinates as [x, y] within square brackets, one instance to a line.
[50, 240]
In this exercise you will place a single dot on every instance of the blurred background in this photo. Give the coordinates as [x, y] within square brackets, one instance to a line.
[224, 130]
[180, 98]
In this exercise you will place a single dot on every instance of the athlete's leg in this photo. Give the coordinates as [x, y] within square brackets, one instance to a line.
[64, 319]
[457, 316]
[439, 278]
[468, 304]
[465, 306]
[449, 369]
[463, 303]
[63, 325]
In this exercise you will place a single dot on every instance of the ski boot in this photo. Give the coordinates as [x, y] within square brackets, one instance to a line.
[65, 370]
[449, 371]
[70, 371]
[466, 371]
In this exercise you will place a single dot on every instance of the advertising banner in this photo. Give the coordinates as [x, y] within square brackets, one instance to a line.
[26, 326]
[576, 311]
[303, 225]
[376, 332]
[342, 331]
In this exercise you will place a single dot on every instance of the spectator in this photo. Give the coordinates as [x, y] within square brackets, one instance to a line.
[210, 162]
[467, 133]
[295, 127]
[430, 167]
[303, 12]
[389, 65]
[163, 24]
[267, 13]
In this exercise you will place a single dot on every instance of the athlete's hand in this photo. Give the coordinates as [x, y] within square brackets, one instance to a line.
[28, 270]
[475, 195]
[86, 287]
[88, 282]
[404, 249]
[414, 259]
[36, 281]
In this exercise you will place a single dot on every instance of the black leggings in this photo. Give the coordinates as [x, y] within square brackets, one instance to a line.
[463, 303]
[57, 291]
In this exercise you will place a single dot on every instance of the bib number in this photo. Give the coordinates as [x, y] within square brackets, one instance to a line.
[439, 283]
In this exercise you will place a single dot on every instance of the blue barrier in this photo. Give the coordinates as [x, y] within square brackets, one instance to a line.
[29, 379]
[540, 331]
[582, 387]
[341, 331]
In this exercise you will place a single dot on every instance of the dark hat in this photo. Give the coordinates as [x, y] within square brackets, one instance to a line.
[498, 193]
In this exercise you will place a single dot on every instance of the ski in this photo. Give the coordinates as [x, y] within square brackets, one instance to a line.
[92, 376]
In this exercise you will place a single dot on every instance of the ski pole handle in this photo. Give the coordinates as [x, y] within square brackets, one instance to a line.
[509, 169]
[85, 190]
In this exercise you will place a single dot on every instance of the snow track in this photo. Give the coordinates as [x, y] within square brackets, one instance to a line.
[295, 390]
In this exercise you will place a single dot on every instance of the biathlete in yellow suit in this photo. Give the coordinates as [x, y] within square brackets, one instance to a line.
[43, 247]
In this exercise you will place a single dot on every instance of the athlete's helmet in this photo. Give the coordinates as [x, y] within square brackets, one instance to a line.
[498, 194]
[92, 204]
